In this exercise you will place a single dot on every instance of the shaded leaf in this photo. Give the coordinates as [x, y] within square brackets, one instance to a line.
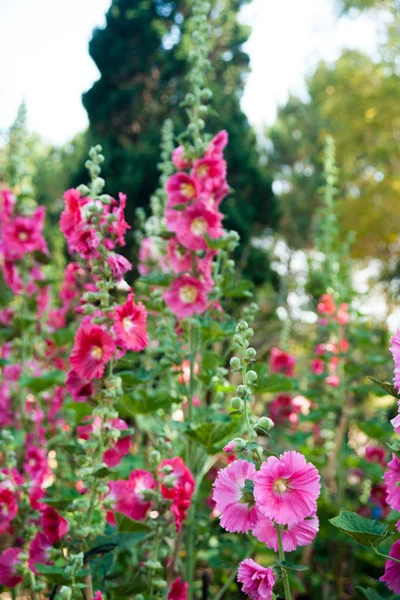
[386, 387]
[367, 532]
[287, 564]
[127, 525]
[44, 382]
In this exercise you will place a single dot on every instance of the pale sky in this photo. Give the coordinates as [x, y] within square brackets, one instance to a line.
[44, 56]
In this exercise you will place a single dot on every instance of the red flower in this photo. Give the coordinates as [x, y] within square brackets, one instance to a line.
[8, 508]
[282, 362]
[8, 561]
[54, 525]
[79, 388]
[130, 325]
[93, 349]
[178, 590]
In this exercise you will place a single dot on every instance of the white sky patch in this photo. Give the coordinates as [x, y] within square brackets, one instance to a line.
[45, 60]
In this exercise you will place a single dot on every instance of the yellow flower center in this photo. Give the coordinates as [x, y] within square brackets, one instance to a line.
[202, 171]
[198, 226]
[187, 190]
[97, 352]
[23, 236]
[280, 486]
[127, 324]
[188, 294]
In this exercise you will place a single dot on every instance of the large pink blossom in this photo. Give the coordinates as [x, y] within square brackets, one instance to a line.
[22, 235]
[392, 570]
[392, 480]
[130, 325]
[258, 581]
[9, 559]
[235, 503]
[194, 223]
[93, 349]
[286, 488]
[129, 496]
[119, 265]
[297, 534]
[395, 350]
[186, 297]
[181, 188]
[39, 551]
[179, 258]
[54, 525]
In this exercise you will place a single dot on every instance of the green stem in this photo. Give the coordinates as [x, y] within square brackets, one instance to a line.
[285, 577]
[190, 559]
[386, 556]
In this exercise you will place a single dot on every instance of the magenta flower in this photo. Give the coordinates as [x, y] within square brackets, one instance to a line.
[216, 146]
[195, 222]
[392, 570]
[178, 590]
[130, 325]
[257, 581]
[54, 525]
[392, 479]
[8, 508]
[282, 362]
[375, 454]
[186, 297]
[9, 559]
[119, 265]
[286, 488]
[179, 160]
[129, 496]
[297, 534]
[39, 551]
[233, 499]
[93, 349]
[181, 188]
[80, 389]
[22, 235]
[179, 258]
[395, 350]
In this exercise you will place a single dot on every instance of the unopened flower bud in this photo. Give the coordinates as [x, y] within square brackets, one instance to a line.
[155, 456]
[243, 391]
[265, 424]
[249, 332]
[250, 353]
[65, 593]
[169, 482]
[251, 377]
[241, 326]
[105, 199]
[83, 190]
[235, 445]
[235, 362]
[237, 403]
[237, 339]
[167, 469]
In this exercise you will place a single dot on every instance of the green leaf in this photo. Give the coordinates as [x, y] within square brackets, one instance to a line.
[44, 382]
[240, 289]
[81, 410]
[386, 387]
[127, 525]
[370, 594]
[4, 362]
[63, 499]
[141, 402]
[287, 564]
[56, 574]
[157, 278]
[213, 436]
[274, 383]
[63, 337]
[367, 532]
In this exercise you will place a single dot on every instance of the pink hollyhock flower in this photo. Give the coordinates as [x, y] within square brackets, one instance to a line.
[297, 534]
[84, 241]
[69, 289]
[257, 581]
[232, 498]
[23, 235]
[6, 316]
[80, 389]
[8, 507]
[7, 204]
[181, 188]
[317, 366]
[35, 463]
[117, 225]
[208, 172]
[216, 147]
[130, 325]
[179, 160]
[283, 411]
[186, 297]
[375, 454]
[150, 256]
[326, 305]
[179, 258]
[392, 479]
[332, 380]
[181, 503]
[9, 559]
[129, 496]
[54, 525]
[178, 475]
[119, 265]
[395, 350]
[11, 276]
[194, 223]
[396, 421]
[93, 349]
[286, 488]
[39, 552]
[178, 590]
[392, 570]
[71, 216]
[282, 362]
[113, 456]
[342, 315]
[98, 595]
[184, 368]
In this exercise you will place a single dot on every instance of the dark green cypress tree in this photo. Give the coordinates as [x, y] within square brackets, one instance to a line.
[141, 56]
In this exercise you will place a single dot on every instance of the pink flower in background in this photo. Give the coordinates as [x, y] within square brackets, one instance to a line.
[71, 216]
[375, 454]
[23, 235]
[98, 596]
[257, 581]
[326, 305]
[179, 160]
[395, 350]
[9, 559]
[318, 366]
[54, 525]
[93, 349]
[184, 371]
[236, 504]
[392, 570]
[342, 315]
[186, 297]
[392, 478]
[179, 258]
[128, 496]
[283, 411]
[178, 475]
[11, 276]
[178, 590]
[282, 362]
[297, 534]
[195, 222]
[35, 463]
[7, 204]
[119, 265]
[216, 146]
[286, 488]
[130, 325]
[39, 552]
[149, 256]
[332, 380]
[8, 507]
[396, 421]
[79, 388]
[181, 188]
[113, 456]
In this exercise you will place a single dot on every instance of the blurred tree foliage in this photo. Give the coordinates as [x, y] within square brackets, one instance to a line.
[141, 55]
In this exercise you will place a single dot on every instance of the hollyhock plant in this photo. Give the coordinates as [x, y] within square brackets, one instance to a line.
[186, 297]
[196, 221]
[234, 499]
[178, 590]
[9, 560]
[392, 570]
[286, 488]
[24, 235]
[39, 552]
[130, 325]
[119, 265]
[8, 507]
[282, 362]
[395, 350]
[294, 535]
[93, 349]
[392, 478]
[54, 525]
[257, 581]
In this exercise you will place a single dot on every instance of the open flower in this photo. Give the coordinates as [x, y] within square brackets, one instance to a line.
[392, 570]
[129, 496]
[8, 507]
[234, 499]
[178, 590]
[119, 265]
[395, 350]
[130, 325]
[392, 479]
[258, 581]
[297, 534]
[93, 349]
[286, 488]
[282, 362]
[39, 551]
[54, 525]
[9, 559]
[22, 235]
[195, 222]
[186, 297]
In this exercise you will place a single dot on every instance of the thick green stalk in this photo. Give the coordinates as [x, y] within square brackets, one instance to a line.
[285, 577]
[190, 558]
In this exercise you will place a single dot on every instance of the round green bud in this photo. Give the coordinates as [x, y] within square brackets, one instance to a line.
[83, 190]
[251, 377]
[249, 332]
[139, 597]
[237, 339]
[235, 362]
[65, 593]
[237, 403]
[241, 326]
[155, 456]
[265, 424]
[243, 391]
[206, 94]
[250, 353]
[98, 148]
[190, 99]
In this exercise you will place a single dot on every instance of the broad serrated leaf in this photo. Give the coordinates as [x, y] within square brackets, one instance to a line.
[44, 382]
[127, 525]
[386, 387]
[367, 532]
